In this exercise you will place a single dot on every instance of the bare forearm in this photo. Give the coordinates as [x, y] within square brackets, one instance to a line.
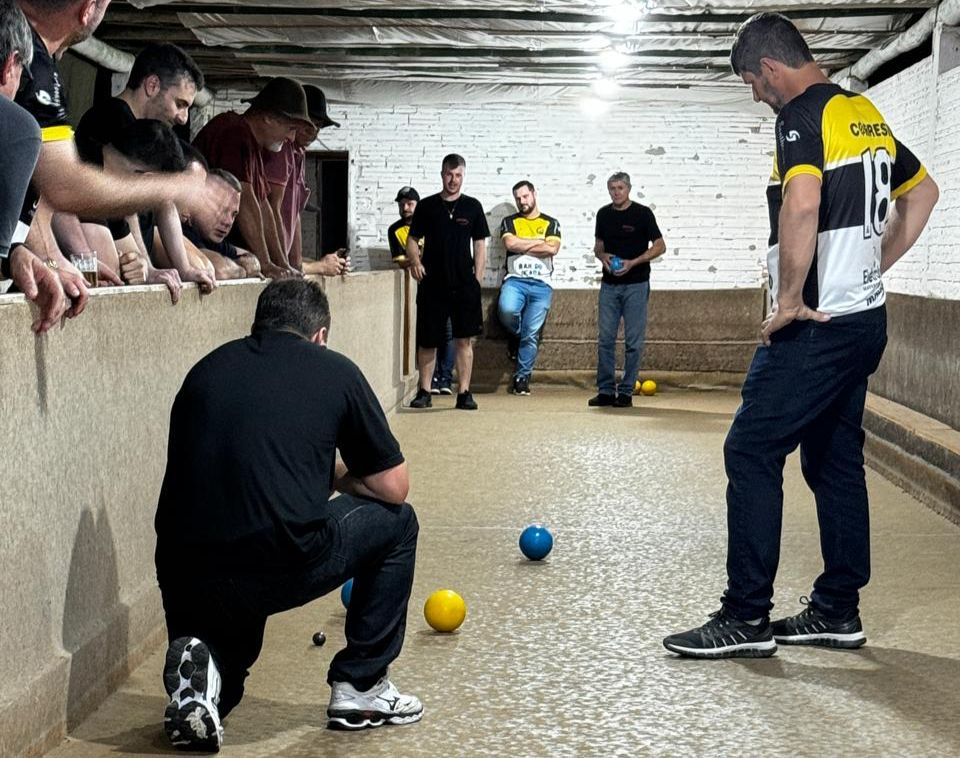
[479, 258]
[653, 252]
[296, 248]
[171, 232]
[534, 247]
[798, 237]
[69, 233]
[908, 217]
[271, 235]
[250, 222]
[72, 186]
[413, 250]
[40, 238]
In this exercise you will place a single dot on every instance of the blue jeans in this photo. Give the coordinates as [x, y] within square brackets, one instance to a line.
[629, 302]
[808, 389]
[523, 308]
[446, 354]
[374, 543]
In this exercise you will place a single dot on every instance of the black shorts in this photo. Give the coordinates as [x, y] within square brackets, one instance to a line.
[460, 304]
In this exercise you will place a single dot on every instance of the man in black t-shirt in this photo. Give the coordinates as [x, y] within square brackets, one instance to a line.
[246, 529]
[627, 239]
[162, 85]
[450, 274]
[406, 200]
[61, 181]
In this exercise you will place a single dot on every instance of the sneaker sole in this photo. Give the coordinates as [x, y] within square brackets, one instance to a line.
[841, 641]
[190, 722]
[446, 391]
[752, 650]
[356, 720]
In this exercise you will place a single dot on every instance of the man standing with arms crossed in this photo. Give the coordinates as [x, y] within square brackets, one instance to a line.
[627, 239]
[837, 172]
[532, 239]
[449, 274]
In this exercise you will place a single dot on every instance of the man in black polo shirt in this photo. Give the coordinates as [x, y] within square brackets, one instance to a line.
[245, 528]
[627, 239]
[450, 274]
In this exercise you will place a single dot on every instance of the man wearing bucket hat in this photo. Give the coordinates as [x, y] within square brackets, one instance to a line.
[286, 175]
[236, 142]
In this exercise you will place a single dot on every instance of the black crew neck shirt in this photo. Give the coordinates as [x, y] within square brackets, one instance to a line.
[628, 234]
[448, 229]
[250, 461]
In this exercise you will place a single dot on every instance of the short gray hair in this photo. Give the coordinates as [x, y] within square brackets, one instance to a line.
[15, 33]
[620, 176]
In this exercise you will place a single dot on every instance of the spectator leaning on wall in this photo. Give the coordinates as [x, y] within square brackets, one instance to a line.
[20, 144]
[61, 181]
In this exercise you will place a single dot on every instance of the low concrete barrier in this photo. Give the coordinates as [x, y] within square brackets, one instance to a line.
[83, 437]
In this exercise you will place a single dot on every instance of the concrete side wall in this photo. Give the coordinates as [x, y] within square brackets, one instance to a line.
[921, 365]
[84, 433]
[688, 331]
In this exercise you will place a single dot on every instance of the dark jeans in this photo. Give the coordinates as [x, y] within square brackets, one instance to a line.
[627, 302]
[446, 355]
[373, 542]
[807, 388]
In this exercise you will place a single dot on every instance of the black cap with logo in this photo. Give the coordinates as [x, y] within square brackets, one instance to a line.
[407, 193]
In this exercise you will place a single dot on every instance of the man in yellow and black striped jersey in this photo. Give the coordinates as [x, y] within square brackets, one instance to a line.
[847, 200]
[532, 239]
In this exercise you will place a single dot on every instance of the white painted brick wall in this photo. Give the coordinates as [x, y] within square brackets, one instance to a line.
[924, 111]
[702, 170]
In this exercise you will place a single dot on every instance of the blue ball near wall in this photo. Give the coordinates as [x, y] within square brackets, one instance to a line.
[536, 542]
[345, 591]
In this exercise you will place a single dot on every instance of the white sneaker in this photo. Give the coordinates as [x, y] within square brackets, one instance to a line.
[192, 681]
[381, 704]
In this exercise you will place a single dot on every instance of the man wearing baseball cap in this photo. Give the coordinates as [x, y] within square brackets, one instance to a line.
[236, 143]
[286, 175]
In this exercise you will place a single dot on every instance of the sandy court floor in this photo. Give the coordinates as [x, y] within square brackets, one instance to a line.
[563, 657]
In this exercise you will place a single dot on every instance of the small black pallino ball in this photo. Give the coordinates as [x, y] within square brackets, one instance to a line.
[319, 638]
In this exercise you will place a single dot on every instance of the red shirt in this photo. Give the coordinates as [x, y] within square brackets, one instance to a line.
[287, 169]
[227, 142]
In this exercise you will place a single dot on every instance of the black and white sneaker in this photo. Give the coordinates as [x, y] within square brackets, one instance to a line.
[723, 636]
[381, 704]
[522, 385]
[192, 681]
[811, 627]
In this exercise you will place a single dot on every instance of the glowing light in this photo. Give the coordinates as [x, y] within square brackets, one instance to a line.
[606, 88]
[612, 60]
[594, 106]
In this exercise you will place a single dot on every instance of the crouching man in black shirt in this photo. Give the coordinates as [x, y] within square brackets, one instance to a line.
[245, 528]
